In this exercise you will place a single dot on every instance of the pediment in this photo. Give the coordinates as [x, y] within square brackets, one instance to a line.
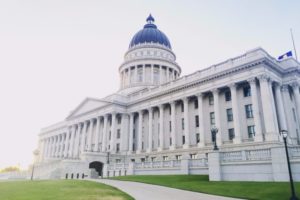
[87, 105]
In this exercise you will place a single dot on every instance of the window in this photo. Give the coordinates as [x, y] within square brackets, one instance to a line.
[165, 158]
[119, 120]
[153, 159]
[109, 135]
[294, 114]
[140, 74]
[133, 133]
[170, 141]
[249, 112]
[178, 157]
[197, 120]
[227, 96]
[182, 107]
[142, 159]
[212, 118]
[247, 91]
[182, 123]
[197, 137]
[193, 156]
[118, 160]
[211, 99]
[133, 147]
[251, 131]
[118, 134]
[229, 114]
[231, 133]
[196, 104]
[183, 139]
[142, 145]
[170, 126]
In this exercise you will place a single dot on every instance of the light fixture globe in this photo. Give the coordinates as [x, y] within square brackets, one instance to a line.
[284, 133]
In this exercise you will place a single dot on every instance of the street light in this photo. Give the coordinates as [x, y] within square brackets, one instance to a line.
[35, 153]
[214, 130]
[284, 134]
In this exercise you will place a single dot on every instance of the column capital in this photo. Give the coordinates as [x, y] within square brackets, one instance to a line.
[161, 106]
[295, 84]
[264, 78]
[150, 109]
[185, 99]
[215, 91]
[232, 85]
[173, 102]
[251, 80]
[285, 88]
[199, 94]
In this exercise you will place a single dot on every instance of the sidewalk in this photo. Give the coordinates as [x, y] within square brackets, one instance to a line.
[142, 191]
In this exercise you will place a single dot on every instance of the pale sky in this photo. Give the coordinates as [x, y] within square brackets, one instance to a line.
[55, 53]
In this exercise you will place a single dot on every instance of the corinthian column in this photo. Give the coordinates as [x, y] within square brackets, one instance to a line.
[280, 108]
[217, 116]
[67, 143]
[268, 110]
[72, 142]
[104, 135]
[186, 123]
[295, 87]
[173, 125]
[76, 146]
[201, 121]
[90, 135]
[161, 128]
[150, 111]
[96, 147]
[83, 135]
[236, 117]
[140, 132]
[255, 107]
[113, 134]
[131, 120]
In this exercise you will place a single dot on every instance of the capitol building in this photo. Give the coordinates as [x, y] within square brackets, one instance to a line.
[160, 122]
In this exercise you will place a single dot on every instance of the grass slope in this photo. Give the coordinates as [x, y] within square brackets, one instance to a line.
[200, 183]
[59, 190]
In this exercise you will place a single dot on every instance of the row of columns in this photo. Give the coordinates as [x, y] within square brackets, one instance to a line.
[272, 107]
[126, 74]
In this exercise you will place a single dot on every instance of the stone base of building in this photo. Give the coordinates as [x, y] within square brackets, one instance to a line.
[262, 163]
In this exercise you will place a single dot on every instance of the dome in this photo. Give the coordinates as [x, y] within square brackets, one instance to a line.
[150, 34]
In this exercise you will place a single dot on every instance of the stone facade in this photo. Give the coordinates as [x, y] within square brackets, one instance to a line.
[160, 123]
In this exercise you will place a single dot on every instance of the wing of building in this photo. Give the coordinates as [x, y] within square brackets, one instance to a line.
[161, 123]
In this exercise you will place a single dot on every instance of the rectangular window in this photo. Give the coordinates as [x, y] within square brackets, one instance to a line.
[178, 157]
[182, 123]
[119, 120]
[247, 91]
[109, 137]
[170, 126]
[153, 159]
[118, 160]
[249, 112]
[212, 118]
[251, 131]
[133, 147]
[118, 133]
[183, 139]
[211, 99]
[196, 104]
[193, 156]
[170, 111]
[231, 133]
[170, 141]
[197, 120]
[133, 133]
[229, 114]
[182, 107]
[118, 147]
[197, 138]
[227, 96]
[142, 159]
[165, 158]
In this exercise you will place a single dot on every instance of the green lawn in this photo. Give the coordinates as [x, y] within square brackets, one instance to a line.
[200, 183]
[59, 190]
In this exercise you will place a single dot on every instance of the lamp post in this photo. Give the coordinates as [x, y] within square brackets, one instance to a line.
[35, 154]
[214, 130]
[284, 134]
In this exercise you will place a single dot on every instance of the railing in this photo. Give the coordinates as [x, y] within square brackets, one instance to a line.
[294, 152]
[246, 155]
[198, 162]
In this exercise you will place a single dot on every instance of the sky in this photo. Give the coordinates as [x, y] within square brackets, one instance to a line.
[55, 53]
